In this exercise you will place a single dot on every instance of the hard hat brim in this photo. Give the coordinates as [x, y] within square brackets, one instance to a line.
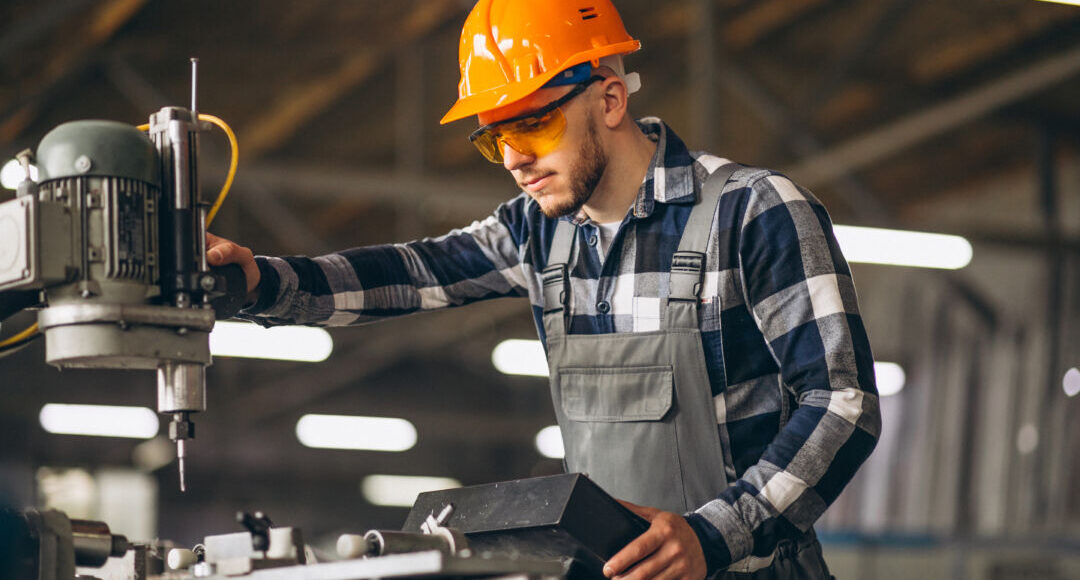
[514, 92]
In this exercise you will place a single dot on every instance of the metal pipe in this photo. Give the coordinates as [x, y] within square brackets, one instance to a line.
[94, 544]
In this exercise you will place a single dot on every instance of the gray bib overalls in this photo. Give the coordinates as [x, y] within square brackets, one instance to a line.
[635, 409]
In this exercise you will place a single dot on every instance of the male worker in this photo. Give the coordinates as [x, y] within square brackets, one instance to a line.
[707, 356]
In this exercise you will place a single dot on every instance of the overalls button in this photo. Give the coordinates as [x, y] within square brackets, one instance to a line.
[593, 240]
[603, 307]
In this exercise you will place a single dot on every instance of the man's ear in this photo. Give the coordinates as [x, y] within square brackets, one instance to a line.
[616, 99]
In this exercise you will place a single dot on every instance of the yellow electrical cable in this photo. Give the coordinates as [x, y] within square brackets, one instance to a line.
[233, 144]
[21, 336]
[232, 164]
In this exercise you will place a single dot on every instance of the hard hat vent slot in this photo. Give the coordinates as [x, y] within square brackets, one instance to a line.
[588, 13]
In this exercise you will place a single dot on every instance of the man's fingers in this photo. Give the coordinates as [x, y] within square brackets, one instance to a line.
[646, 569]
[220, 251]
[215, 256]
[635, 551]
[665, 563]
[216, 249]
[671, 572]
[643, 511]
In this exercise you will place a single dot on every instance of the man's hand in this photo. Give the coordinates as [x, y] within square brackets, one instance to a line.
[220, 251]
[668, 550]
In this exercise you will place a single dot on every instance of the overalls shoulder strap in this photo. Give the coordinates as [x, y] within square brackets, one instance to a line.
[688, 263]
[556, 279]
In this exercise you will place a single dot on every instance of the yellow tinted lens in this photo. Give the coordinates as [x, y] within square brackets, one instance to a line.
[536, 136]
[489, 146]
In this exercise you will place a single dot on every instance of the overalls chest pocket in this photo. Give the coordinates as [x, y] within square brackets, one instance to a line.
[620, 430]
[613, 395]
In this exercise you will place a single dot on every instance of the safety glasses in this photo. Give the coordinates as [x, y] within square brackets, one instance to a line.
[535, 134]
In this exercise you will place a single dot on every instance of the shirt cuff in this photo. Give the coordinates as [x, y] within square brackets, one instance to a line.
[269, 287]
[717, 555]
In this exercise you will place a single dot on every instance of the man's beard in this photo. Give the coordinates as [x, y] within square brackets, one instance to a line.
[585, 174]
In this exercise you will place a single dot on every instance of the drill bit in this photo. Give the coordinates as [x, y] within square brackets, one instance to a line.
[180, 430]
[181, 454]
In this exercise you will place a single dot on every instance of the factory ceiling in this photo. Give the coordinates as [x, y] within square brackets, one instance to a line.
[895, 113]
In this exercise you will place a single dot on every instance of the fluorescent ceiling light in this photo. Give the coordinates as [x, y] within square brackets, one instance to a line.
[354, 432]
[1069, 2]
[12, 174]
[903, 248]
[549, 442]
[401, 490]
[99, 420]
[520, 357]
[1071, 382]
[890, 378]
[247, 340]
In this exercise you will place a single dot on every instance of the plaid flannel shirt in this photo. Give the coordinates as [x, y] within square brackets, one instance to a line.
[788, 358]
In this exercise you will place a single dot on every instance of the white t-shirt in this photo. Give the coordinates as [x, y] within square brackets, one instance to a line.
[607, 233]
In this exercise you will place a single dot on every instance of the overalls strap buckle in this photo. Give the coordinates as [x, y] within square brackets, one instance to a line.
[687, 272]
[556, 287]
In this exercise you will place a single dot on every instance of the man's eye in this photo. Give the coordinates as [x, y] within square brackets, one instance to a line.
[533, 123]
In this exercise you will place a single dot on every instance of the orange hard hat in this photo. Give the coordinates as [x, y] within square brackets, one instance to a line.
[511, 48]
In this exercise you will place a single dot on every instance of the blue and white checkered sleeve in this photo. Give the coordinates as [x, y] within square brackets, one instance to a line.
[360, 285]
[802, 298]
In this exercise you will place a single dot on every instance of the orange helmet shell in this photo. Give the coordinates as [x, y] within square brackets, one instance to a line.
[511, 48]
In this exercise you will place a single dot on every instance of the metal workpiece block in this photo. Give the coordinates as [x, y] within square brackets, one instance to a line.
[232, 554]
[565, 517]
[35, 243]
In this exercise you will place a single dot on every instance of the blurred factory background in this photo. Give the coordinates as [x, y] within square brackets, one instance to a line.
[958, 116]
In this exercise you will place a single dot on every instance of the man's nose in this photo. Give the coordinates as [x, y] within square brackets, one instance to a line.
[514, 159]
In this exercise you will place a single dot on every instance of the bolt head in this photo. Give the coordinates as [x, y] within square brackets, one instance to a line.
[83, 164]
[207, 283]
[181, 430]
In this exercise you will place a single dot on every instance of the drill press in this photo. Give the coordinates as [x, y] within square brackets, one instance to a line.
[111, 239]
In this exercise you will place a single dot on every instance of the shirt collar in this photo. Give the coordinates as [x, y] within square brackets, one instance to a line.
[670, 178]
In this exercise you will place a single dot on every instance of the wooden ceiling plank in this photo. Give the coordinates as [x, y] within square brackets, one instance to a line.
[799, 138]
[310, 99]
[27, 29]
[962, 52]
[859, 50]
[764, 18]
[883, 142]
[69, 55]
